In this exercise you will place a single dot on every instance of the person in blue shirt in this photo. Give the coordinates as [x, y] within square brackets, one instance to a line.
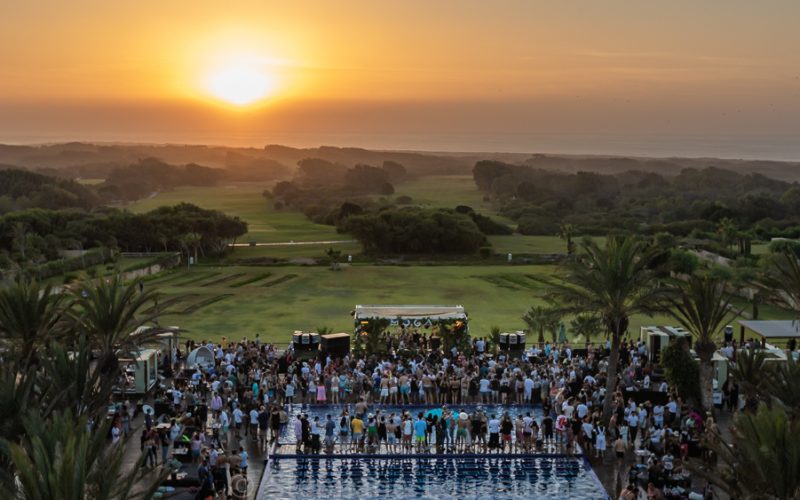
[242, 460]
[420, 428]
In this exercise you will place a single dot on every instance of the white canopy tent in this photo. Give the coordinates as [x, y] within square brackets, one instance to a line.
[431, 312]
[202, 357]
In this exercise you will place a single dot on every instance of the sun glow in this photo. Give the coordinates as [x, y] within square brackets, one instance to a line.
[241, 83]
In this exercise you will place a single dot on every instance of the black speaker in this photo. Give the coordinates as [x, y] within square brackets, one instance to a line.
[436, 343]
[505, 340]
[728, 333]
[305, 341]
[336, 345]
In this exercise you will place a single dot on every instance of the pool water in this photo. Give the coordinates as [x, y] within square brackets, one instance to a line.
[335, 411]
[430, 478]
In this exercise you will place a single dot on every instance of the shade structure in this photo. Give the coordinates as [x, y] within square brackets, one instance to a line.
[202, 357]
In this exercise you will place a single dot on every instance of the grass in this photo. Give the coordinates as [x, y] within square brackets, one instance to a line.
[292, 252]
[251, 279]
[265, 224]
[122, 264]
[304, 298]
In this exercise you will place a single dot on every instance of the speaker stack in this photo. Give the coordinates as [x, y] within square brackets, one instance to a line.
[305, 342]
[436, 343]
[512, 341]
[335, 345]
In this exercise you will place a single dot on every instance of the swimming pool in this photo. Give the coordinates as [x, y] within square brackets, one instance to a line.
[335, 411]
[535, 477]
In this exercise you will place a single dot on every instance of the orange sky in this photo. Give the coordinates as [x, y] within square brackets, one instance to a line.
[130, 70]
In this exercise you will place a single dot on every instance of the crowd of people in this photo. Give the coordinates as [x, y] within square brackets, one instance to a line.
[553, 397]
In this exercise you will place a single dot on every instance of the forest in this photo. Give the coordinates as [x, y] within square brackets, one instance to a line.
[689, 204]
[36, 236]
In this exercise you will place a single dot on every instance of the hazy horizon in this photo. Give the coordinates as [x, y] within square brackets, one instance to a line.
[621, 77]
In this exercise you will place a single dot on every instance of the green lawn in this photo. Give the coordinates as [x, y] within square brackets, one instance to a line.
[292, 251]
[265, 224]
[123, 264]
[239, 301]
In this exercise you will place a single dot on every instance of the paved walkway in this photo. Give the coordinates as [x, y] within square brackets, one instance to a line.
[256, 458]
[291, 243]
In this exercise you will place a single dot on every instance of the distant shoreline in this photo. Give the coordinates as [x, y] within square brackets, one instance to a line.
[650, 146]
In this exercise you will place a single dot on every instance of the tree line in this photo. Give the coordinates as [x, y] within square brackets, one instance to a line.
[36, 236]
[695, 200]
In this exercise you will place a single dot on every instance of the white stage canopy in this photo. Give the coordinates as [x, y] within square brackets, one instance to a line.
[432, 312]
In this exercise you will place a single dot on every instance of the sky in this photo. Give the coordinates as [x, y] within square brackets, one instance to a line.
[715, 77]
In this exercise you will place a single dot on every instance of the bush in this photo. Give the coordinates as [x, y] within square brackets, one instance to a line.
[489, 226]
[485, 252]
[413, 230]
[536, 225]
[403, 200]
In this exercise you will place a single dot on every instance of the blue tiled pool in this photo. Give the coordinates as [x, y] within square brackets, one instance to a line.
[430, 478]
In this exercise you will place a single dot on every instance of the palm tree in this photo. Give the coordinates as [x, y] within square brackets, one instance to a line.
[540, 319]
[109, 312]
[781, 280]
[586, 325]
[190, 243]
[566, 232]
[615, 283]
[60, 458]
[702, 307]
[782, 384]
[727, 231]
[30, 316]
[334, 256]
[748, 371]
[19, 236]
[763, 459]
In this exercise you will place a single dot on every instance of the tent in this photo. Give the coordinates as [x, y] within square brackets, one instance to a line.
[202, 357]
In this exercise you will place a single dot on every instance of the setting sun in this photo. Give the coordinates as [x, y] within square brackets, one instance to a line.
[240, 84]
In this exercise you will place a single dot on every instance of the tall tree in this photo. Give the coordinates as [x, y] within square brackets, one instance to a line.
[566, 232]
[781, 279]
[614, 282]
[762, 461]
[727, 231]
[60, 458]
[586, 325]
[30, 316]
[702, 306]
[109, 312]
[542, 318]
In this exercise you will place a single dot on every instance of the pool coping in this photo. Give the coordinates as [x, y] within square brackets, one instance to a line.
[399, 456]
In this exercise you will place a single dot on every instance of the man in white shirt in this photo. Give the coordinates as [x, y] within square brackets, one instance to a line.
[583, 410]
[176, 397]
[528, 389]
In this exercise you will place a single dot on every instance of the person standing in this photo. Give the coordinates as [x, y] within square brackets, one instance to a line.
[330, 433]
[420, 430]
